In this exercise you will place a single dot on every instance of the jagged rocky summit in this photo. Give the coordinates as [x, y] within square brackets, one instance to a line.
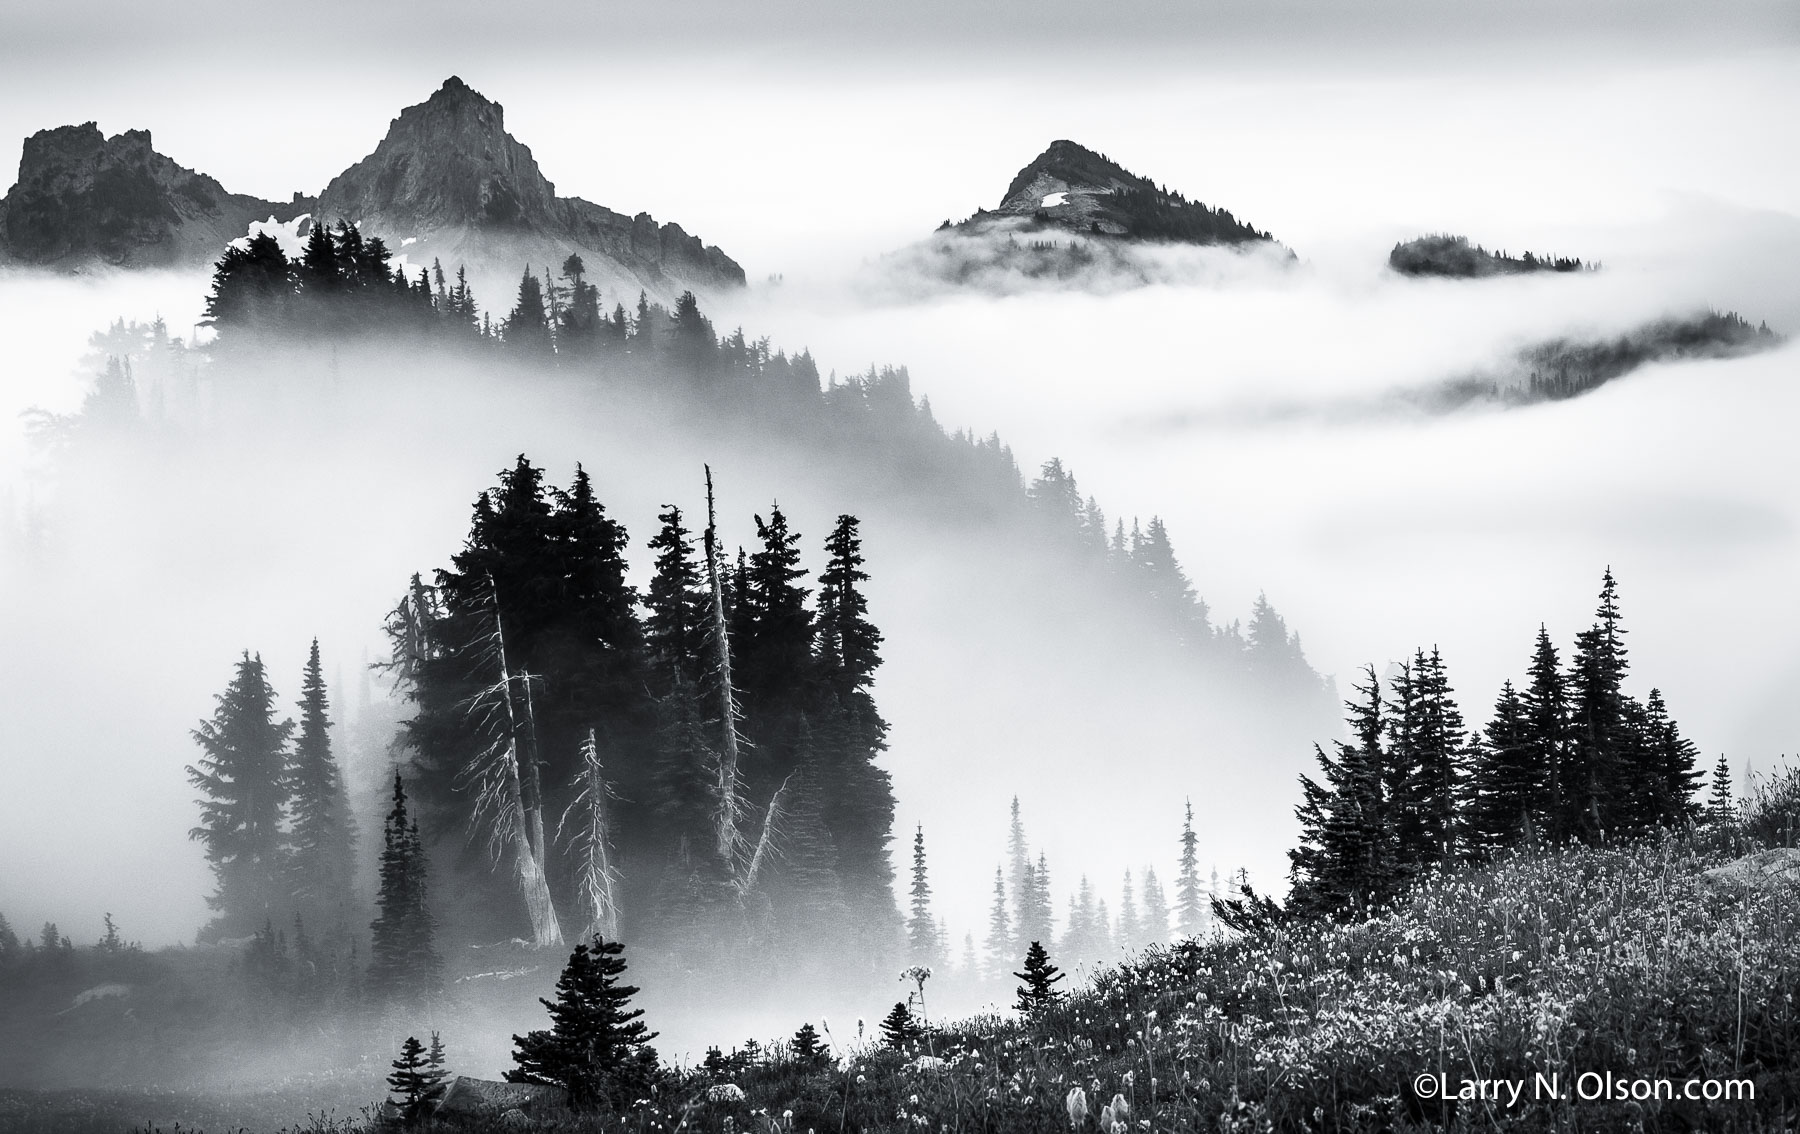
[447, 183]
[1071, 187]
[449, 179]
[83, 199]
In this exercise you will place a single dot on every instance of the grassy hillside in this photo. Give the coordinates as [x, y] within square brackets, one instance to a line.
[1625, 961]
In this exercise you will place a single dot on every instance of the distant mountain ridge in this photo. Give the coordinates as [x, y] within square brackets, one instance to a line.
[83, 198]
[448, 176]
[1070, 186]
[447, 182]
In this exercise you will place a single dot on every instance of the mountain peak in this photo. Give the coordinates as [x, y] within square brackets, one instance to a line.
[82, 197]
[1077, 167]
[1071, 187]
[447, 171]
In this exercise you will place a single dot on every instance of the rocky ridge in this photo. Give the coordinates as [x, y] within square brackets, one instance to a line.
[448, 177]
[84, 199]
[1071, 187]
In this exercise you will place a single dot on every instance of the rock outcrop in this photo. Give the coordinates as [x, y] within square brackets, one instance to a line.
[84, 199]
[465, 1097]
[449, 178]
[1777, 867]
[1071, 187]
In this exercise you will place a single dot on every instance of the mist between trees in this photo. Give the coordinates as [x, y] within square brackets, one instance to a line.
[559, 718]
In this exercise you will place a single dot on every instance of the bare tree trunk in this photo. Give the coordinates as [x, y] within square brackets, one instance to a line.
[762, 843]
[526, 817]
[533, 790]
[728, 836]
[597, 881]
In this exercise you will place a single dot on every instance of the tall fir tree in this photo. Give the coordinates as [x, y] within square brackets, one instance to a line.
[404, 965]
[1000, 931]
[1345, 860]
[1189, 902]
[1131, 928]
[1546, 737]
[242, 772]
[1440, 746]
[1508, 789]
[1721, 804]
[1018, 865]
[1670, 764]
[322, 860]
[528, 326]
[675, 601]
[921, 931]
[1599, 784]
[1156, 909]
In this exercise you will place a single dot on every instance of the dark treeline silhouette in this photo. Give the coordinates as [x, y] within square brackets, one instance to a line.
[1165, 215]
[560, 322]
[692, 765]
[1558, 369]
[1567, 756]
[1563, 368]
[1442, 254]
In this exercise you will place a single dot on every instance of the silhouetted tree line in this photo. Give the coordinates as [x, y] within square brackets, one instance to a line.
[1443, 254]
[1165, 215]
[693, 764]
[560, 321]
[1568, 756]
[1564, 369]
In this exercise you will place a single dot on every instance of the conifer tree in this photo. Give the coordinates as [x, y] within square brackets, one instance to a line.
[1600, 780]
[410, 1081]
[436, 1064]
[1189, 905]
[1440, 759]
[242, 771]
[1018, 857]
[921, 930]
[112, 405]
[1508, 794]
[404, 966]
[1721, 804]
[528, 327]
[900, 1029]
[1040, 978]
[597, 1047]
[1346, 858]
[111, 942]
[807, 1049]
[1669, 761]
[1000, 930]
[676, 623]
[849, 644]
[1156, 909]
[322, 859]
[1546, 736]
[1131, 929]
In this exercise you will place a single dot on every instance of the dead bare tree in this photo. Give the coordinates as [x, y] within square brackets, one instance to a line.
[743, 864]
[508, 795]
[729, 837]
[596, 879]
